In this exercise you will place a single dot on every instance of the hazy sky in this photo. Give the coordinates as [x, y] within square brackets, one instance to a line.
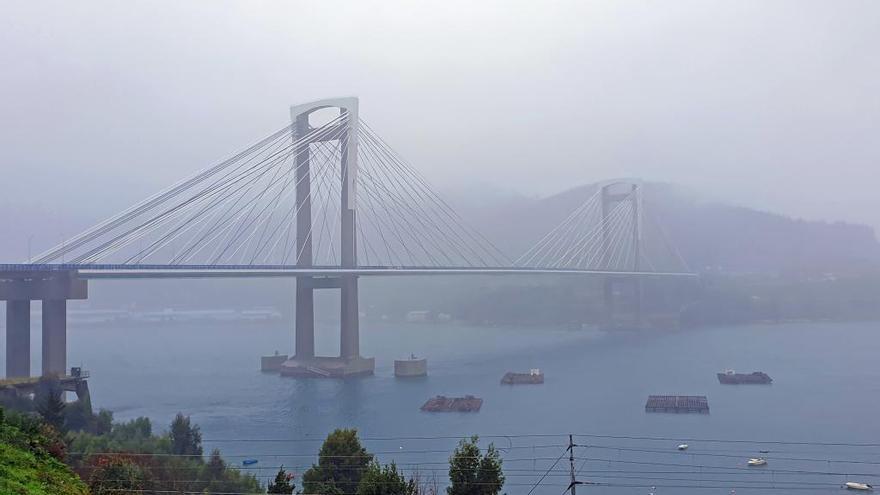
[768, 103]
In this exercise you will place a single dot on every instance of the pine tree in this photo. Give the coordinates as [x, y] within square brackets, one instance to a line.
[186, 438]
[474, 473]
[385, 480]
[341, 463]
[50, 403]
[283, 483]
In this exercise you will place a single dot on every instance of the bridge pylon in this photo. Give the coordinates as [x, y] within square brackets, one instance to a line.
[612, 194]
[305, 362]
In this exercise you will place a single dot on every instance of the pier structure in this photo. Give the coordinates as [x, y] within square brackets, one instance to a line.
[76, 382]
[19, 289]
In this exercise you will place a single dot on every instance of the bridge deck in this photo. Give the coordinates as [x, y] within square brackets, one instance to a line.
[111, 271]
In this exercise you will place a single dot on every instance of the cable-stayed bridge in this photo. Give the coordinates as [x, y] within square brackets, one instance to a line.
[325, 202]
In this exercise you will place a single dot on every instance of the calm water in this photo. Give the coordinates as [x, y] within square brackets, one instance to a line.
[826, 389]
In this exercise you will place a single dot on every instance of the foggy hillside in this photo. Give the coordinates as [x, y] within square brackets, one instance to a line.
[710, 236]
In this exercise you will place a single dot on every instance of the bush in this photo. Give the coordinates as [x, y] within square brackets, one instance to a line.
[28, 464]
[341, 463]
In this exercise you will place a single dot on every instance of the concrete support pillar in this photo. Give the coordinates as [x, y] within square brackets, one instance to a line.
[18, 338]
[608, 300]
[54, 337]
[637, 301]
[305, 318]
[349, 339]
[304, 339]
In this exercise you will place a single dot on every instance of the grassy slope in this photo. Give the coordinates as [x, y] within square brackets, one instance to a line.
[26, 469]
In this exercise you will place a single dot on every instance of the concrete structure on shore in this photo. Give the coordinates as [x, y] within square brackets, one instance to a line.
[76, 382]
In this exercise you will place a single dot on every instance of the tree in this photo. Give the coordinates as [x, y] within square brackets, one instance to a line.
[341, 463]
[385, 480]
[49, 401]
[77, 417]
[103, 422]
[472, 473]
[216, 467]
[283, 483]
[186, 438]
[115, 474]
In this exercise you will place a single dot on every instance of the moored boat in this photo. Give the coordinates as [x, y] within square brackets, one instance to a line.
[853, 485]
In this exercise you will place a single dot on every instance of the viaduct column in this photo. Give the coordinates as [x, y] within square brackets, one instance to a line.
[54, 336]
[18, 338]
[52, 286]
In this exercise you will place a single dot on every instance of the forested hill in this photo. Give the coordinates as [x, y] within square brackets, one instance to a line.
[711, 236]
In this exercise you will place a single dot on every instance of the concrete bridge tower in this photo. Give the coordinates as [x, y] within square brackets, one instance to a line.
[612, 194]
[305, 362]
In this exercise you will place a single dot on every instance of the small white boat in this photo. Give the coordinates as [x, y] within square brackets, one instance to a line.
[852, 485]
[683, 446]
[757, 461]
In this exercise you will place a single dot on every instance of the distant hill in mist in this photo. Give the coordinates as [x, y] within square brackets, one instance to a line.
[711, 236]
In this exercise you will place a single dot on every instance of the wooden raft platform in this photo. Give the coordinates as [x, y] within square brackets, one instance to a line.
[533, 377]
[468, 403]
[677, 404]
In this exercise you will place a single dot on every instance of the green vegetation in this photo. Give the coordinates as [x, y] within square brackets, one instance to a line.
[341, 462]
[50, 403]
[100, 457]
[385, 480]
[186, 438]
[31, 454]
[474, 473]
[131, 457]
[345, 467]
[283, 483]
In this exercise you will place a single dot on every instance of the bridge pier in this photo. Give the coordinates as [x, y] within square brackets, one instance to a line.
[609, 293]
[53, 288]
[18, 338]
[349, 338]
[54, 336]
[304, 339]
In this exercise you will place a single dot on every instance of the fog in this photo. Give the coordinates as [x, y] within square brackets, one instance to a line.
[768, 104]
[250, 313]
